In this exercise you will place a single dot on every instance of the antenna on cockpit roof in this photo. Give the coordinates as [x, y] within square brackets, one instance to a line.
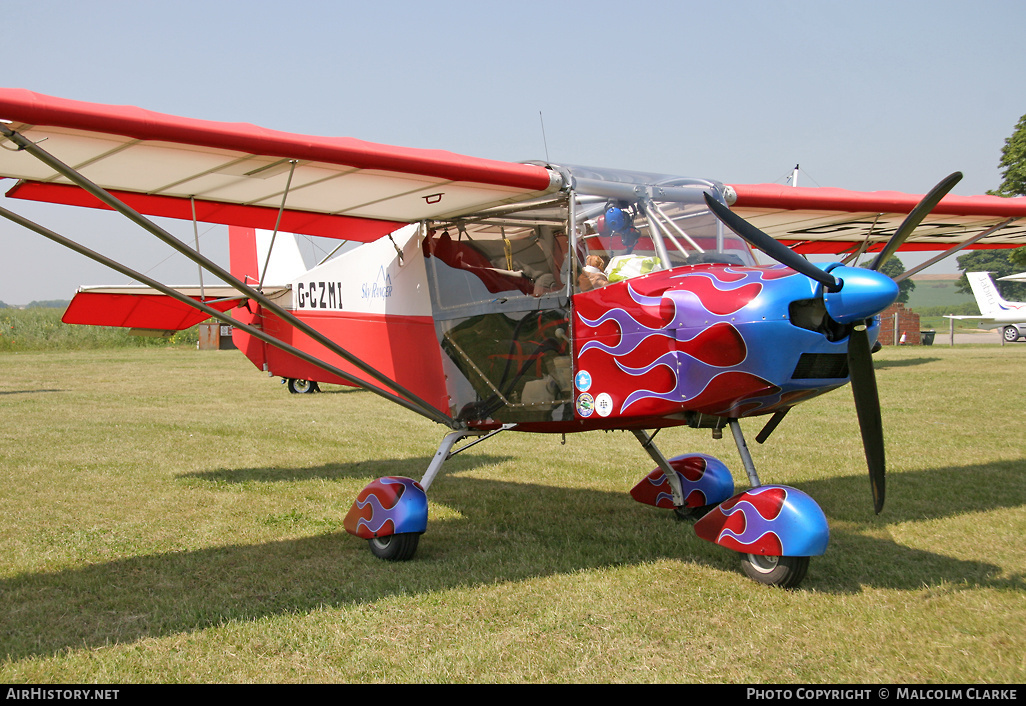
[794, 176]
[544, 141]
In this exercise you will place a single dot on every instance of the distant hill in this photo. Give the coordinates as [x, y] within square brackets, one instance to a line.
[45, 304]
[49, 304]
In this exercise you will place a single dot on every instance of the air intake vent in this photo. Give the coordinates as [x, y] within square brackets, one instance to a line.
[821, 365]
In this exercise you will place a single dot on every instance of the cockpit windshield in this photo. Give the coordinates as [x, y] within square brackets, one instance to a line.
[612, 226]
[501, 280]
[638, 222]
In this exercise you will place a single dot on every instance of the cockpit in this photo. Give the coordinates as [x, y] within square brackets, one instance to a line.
[502, 280]
[613, 225]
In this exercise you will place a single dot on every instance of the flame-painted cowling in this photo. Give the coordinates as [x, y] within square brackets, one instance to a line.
[773, 520]
[387, 506]
[863, 294]
[704, 479]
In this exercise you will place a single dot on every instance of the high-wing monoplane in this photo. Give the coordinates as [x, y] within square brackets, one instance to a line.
[492, 296]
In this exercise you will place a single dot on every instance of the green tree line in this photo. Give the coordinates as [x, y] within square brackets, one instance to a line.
[1001, 263]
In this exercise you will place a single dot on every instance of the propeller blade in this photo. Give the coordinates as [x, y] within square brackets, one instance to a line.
[781, 253]
[867, 406]
[912, 221]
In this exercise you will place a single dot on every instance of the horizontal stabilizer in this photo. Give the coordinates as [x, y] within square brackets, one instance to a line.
[141, 308]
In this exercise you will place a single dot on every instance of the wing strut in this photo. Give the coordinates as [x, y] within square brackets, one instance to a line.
[951, 251]
[277, 223]
[210, 311]
[413, 401]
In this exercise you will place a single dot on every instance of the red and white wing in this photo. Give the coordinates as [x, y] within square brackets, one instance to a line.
[831, 221]
[237, 174]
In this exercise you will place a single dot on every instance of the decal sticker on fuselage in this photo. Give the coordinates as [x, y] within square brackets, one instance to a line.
[380, 288]
[583, 380]
[585, 404]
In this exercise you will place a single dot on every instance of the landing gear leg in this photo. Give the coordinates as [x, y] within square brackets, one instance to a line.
[403, 503]
[746, 455]
[660, 459]
[445, 451]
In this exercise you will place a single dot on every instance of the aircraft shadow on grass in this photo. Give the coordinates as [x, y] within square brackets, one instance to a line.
[885, 364]
[504, 532]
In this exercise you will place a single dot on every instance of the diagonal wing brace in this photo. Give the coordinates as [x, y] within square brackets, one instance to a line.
[401, 394]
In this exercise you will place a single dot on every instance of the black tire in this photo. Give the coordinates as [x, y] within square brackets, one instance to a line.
[780, 571]
[395, 547]
[302, 387]
[1011, 334]
[692, 514]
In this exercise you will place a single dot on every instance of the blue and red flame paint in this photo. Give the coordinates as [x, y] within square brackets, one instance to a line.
[387, 506]
[716, 340]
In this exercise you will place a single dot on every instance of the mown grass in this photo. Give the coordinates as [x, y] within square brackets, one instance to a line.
[175, 516]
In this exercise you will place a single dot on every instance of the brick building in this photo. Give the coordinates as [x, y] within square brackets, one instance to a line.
[897, 318]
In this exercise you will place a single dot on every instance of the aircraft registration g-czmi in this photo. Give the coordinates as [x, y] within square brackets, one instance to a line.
[491, 296]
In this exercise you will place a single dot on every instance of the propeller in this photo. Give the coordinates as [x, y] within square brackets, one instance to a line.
[851, 296]
[867, 409]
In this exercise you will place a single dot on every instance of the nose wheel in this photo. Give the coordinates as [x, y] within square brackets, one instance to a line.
[780, 571]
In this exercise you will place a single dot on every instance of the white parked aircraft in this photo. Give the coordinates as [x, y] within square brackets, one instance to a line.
[995, 312]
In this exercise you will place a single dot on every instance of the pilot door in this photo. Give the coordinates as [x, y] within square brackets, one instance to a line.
[500, 301]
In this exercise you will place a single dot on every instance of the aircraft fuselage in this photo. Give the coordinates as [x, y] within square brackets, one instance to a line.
[693, 345]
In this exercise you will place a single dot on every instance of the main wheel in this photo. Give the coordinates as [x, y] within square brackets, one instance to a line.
[302, 387]
[395, 547]
[1011, 334]
[692, 514]
[781, 571]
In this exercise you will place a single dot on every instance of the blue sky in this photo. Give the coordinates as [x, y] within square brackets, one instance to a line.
[864, 95]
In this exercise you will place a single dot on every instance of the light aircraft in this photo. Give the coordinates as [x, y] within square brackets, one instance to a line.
[492, 296]
[995, 312]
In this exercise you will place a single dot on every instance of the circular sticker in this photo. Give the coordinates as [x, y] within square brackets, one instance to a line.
[585, 404]
[583, 380]
[603, 404]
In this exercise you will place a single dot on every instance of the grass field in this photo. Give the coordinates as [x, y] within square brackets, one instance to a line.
[934, 297]
[937, 292]
[171, 515]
